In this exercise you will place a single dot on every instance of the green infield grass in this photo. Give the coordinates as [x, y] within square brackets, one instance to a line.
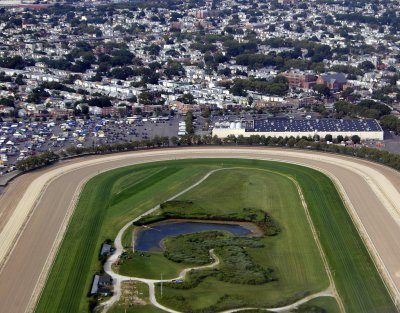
[149, 265]
[110, 200]
[327, 303]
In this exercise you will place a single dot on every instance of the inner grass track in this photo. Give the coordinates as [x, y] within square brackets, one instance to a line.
[110, 200]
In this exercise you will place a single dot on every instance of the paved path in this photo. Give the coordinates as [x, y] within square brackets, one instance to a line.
[36, 208]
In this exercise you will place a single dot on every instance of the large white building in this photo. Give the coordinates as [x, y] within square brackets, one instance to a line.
[10, 2]
[282, 127]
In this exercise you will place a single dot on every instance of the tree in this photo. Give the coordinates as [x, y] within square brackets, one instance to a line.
[390, 122]
[187, 98]
[8, 102]
[287, 26]
[122, 73]
[238, 90]
[339, 138]
[322, 90]
[15, 62]
[19, 80]
[291, 142]
[174, 140]
[101, 102]
[206, 112]
[189, 123]
[153, 49]
[328, 137]
[366, 66]
[355, 139]
[174, 68]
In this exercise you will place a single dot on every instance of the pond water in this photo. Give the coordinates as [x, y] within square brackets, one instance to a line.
[149, 238]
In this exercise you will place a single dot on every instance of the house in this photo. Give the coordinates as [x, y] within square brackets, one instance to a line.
[109, 111]
[101, 285]
[106, 249]
[300, 79]
[181, 107]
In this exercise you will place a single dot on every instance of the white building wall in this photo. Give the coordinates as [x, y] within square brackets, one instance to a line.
[224, 132]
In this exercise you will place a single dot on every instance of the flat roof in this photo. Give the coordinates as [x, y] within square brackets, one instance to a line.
[95, 285]
[312, 125]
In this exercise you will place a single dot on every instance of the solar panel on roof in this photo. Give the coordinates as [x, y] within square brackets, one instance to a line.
[290, 125]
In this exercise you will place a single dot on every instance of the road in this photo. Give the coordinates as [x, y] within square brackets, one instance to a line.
[36, 207]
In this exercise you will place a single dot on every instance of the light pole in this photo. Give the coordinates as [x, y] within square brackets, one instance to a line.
[161, 289]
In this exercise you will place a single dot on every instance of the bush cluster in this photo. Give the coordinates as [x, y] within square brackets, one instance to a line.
[236, 266]
[177, 209]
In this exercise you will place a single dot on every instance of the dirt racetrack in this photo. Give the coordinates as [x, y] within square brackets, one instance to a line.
[35, 208]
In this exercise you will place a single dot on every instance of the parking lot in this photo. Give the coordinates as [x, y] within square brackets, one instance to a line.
[19, 140]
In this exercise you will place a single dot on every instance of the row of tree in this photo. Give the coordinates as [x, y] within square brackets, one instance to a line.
[365, 108]
[390, 122]
[379, 156]
[37, 161]
[278, 86]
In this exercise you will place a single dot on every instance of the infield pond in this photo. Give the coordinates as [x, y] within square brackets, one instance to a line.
[150, 238]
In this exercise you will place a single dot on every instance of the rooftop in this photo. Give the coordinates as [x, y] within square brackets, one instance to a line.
[309, 125]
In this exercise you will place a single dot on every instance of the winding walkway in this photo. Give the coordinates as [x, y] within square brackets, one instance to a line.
[119, 249]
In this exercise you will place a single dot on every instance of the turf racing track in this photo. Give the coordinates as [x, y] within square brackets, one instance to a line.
[36, 207]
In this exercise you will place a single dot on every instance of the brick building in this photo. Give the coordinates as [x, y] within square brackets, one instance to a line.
[300, 79]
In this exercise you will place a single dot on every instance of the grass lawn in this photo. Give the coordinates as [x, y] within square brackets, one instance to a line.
[150, 265]
[111, 199]
[327, 303]
[127, 238]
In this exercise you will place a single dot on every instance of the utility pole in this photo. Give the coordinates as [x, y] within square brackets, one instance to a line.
[161, 285]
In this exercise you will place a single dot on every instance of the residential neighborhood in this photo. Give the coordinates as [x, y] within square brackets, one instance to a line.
[93, 72]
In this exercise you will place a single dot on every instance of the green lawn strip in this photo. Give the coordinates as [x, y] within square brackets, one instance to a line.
[127, 238]
[356, 278]
[133, 178]
[328, 304]
[66, 283]
[142, 184]
[150, 265]
[92, 222]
